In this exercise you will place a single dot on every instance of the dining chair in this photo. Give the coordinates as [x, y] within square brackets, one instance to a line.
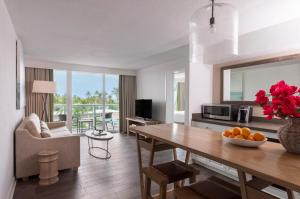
[163, 174]
[167, 173]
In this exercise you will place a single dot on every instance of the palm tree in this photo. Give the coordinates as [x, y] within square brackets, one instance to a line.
[88, 94]
[110, 100]
[97, 93]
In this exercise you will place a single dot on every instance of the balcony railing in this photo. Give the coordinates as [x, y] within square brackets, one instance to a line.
[82, 113]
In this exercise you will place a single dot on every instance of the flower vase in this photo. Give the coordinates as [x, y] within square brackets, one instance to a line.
[289, 135]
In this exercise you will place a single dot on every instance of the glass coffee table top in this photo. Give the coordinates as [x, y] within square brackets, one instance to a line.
[93, 135]
[104, 135]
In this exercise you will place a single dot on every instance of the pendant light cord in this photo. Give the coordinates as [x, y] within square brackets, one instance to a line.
[212, 19]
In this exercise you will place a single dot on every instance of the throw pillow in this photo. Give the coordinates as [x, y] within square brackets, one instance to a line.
[45, 134]
[31, 127]
[45, 130]
[44, 126]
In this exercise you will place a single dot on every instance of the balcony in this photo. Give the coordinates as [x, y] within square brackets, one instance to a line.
[89, 116]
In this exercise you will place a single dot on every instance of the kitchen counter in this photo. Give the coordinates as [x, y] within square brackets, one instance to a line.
[259, 124]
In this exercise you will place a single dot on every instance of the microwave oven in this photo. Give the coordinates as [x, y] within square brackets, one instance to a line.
[220, 111]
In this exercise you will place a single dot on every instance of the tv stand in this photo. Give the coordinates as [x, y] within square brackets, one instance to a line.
[139, 122]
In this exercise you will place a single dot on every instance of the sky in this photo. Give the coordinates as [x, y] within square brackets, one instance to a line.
[84, 82]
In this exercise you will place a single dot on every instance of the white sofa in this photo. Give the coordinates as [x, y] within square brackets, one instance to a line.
[28, 143]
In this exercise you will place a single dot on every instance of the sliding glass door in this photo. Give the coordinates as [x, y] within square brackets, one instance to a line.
[93, 100]
[88, 98]
[111, 102]
[60, 98]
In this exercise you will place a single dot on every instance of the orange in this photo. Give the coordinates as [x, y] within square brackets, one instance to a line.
[259, 136]
[250, 137]
[239, 137]
[246, 132]
[237, 131]
[231, 136]
[227, 133]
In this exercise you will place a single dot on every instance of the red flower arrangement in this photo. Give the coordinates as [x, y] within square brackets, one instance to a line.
[284, 103]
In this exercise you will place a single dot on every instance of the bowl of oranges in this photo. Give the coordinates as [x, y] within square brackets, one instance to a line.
[244, 137]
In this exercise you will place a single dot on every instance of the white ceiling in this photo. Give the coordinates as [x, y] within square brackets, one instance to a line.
[123, 33]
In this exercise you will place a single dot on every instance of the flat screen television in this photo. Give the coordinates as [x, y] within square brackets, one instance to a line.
[143, 108]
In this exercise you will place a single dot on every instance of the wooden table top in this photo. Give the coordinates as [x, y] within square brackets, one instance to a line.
[269, 162]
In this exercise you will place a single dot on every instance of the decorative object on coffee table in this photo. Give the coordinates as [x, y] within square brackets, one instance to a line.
[284, 104]
[48, 167]
[98, 132]
[103, 136]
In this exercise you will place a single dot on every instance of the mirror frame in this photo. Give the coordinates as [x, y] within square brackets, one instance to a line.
[251, 63]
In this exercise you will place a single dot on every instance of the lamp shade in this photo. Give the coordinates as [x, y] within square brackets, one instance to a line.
[43, 87]
[219, 37]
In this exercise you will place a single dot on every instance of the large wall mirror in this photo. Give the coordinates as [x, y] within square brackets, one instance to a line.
[241, 82]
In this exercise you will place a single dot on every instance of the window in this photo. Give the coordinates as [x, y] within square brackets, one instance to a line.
[94, 104]
[60, 98]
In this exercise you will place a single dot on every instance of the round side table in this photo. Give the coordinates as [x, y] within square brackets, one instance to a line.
[48, 167]
[105, 136]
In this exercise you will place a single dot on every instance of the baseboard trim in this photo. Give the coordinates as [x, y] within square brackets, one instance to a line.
[12, 189]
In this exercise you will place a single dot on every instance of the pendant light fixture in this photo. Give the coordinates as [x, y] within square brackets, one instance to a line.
[214, 32]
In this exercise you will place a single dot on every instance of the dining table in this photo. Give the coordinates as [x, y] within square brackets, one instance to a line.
[268, 164]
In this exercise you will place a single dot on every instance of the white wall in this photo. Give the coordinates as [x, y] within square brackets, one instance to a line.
[278, 38]
[199, 76]
[9, 116]
[200, 84]
[35, 63]
[156, 83]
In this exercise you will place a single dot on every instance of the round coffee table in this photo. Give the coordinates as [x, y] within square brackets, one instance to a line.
[104, 136]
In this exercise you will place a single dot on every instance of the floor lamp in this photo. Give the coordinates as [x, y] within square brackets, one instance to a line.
[45, 88]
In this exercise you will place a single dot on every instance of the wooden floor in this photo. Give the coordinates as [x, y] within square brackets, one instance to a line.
[116, 178]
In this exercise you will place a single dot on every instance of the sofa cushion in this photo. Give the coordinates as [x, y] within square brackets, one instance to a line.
[33, 125]
[60, 132]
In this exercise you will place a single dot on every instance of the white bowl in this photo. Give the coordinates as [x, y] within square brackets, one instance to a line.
[242, 142]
